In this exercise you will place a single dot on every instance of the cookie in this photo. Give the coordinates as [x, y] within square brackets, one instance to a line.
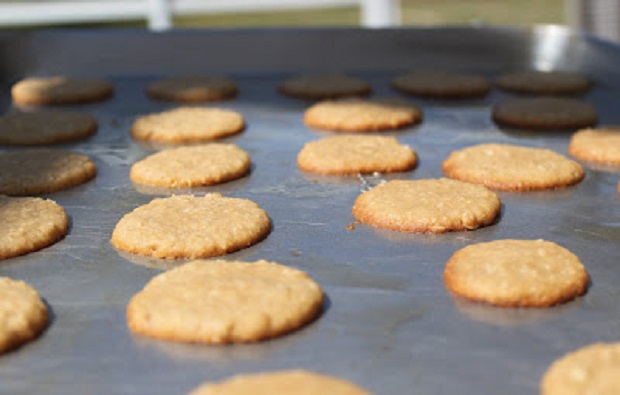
[30, 224]
[45, 127]
[596, 145]
[441, 84]
[191, 89]
[427, 206]
[356, 154]
[359, 115]
[543, 82]
[516, 273]
[192, 166]
[191, 227]
[292, 382]
[220, 302]
[544, 113]
[324, 86]
[37, 171]
[60, 90]
[187, 125]
[507, 167]
[23, 315]
[592, 369]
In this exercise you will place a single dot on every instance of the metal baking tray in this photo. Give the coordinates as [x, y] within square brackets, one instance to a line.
[389, 324]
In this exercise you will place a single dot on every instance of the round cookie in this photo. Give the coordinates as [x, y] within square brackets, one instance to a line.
[37, 171]
[429, 206]
[191, 89]
[356, 154]
[29, 224]
[512, 168]
[596, 145]
[187, 125]
[221, 302]
[441, 84]
[191, 227]
[359, 115]
[192, 166]
[23, 315]
[45, 127]
[324, 86]
[543, 82]
[516, 273]
[60, 90]
[544, 113]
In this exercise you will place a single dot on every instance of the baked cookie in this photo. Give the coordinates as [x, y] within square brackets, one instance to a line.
[516, 273]
[359, 115]
[45, 127]
[293, 382]
[192, 89]
[37, 171]
[507, 167]
[428, 206]
[596, 145]
[60, 90]
[592, 369]
[544, 113]
[356, 154]
[191, 227]
[441, 84]
[324, 86]
[543, 82]
[23, 315]
[187, 125]
[221, 302]
[192, 166]
[29, 224]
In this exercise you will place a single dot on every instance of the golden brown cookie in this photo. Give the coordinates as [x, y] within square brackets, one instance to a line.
[225, 302]
[544, 113]
[441, 84]
[23, 315]
[192, 166]
[356, 154]
[592, 369]
[192, 89]
[429, 206]
[324, 86]
[596, 145]
[359, 115]
[516, 273]
[45, 127]
[187, 125]
[60, 90]
[191, 227]
[543, 82]
[507, 167]
[37, 171]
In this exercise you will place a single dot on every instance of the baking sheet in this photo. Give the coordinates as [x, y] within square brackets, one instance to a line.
[389, 325]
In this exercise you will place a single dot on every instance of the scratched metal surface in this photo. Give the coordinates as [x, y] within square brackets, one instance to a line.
[389, 325]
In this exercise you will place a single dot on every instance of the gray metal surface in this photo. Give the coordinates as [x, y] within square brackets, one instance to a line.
[389, 324]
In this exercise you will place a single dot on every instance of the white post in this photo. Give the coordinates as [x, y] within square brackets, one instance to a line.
[159, 15]
[380, 13]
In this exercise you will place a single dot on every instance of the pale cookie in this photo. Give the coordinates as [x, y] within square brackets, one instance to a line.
[60, 90]
[191, 227]
[441, 84]
[324, 86]
[516, 273]
[543, 82]
[544, 113]
[221, 302]
[45, 127]
[359, 115]
[512, 168]
[192, 89]
[290, 382]
[356, 154]
[29, 224]
[596, 145]
[37, 171]
[187, 125]
[431, 206]
[192, 166]
[23, 315]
